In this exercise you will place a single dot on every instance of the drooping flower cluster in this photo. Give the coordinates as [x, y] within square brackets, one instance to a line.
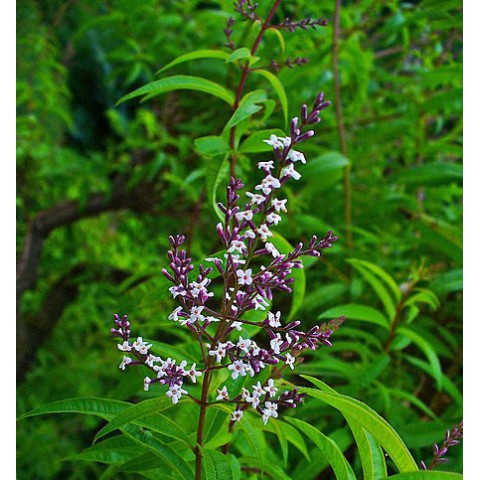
[451, 438]
[251, 268]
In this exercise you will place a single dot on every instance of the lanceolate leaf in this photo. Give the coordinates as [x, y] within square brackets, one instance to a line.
[427, 349]
[354, 311]
[217, 466]
[180, 82]
[330, 450]
[279, 90]
[426, 475]
[197, 54]
[385, 435]
[149, 408]
[179, 468]
[248, 106]
[101, 407]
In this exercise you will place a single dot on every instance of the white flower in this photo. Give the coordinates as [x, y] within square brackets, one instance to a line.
[244, 276]
[175, 393]
[237, 246]
[245, 394]
[244, 344]
[265, 165]
[151, 359]
[177, 290]
[237, 325]
[270, 388]
[212, 319]
[146, 383]
[246, 215]
[256, 198]
[273, 218]
[274, 319]
[125, 361]
[238, 368]
[198, 288]
[218, 352]
[140, 346]
[249, 233]
[291, 172]
[236, 415]
[274, 142]
[214, 259]
[258, 389]
[268, 183]
[270, 247]
[196, 314]
[264, 232]
[259, 302]
[174, 315]
[287, 141]
[193, 374]
[275, 343]
[295, 156]
[254, 400]
[290, 360]
[270, 410]
[223, 394]
[124, 347]
[279, 205]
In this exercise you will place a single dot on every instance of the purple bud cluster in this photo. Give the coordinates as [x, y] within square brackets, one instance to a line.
[450, 439]
[251, 270]
[247, 8]
[304, 24]
[289, 63]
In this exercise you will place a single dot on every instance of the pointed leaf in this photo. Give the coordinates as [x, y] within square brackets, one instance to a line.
[197, 54]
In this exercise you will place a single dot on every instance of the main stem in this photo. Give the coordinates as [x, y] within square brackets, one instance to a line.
[340, 123]
[201, 426]
[243, 79]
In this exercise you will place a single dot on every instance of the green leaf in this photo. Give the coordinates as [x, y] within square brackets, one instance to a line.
[217, 171]
[179, 468]
[385, 435]
[300, 284]
[211, 145]
[371, 454]
[197, 54]
[247, 107]
[240, 54]
[101, 407]
[427, 349]
[151, 407]
[426, 475]
[355, 311]
[379, 287]
[255, 142]
[216, 465]
[329, 449]
[180, 82]
[282, 440]
[323, 171]
[279, 90]
[431, 174]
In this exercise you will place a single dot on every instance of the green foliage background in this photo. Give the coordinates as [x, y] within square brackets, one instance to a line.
[401, 93]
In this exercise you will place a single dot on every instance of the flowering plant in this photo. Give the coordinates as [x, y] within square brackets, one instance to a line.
[252, 269]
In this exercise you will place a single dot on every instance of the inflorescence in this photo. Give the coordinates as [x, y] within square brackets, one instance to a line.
[252, 269]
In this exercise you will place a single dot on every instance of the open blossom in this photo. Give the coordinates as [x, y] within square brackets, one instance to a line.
[219, 352]
[193, 374]
[237, 246]
[270, 410]
[198, 288]
[274, 218]
[256, 198]
[246, 215]
[268, 183]
[238, 368]
[274, 319]
[264, 232]
[140, 346]
[223, 394]
[146, 383]
[177, 290]
[244, 344]
[124, 362]
[236, 415]
[279, 205]
[175, 393]
[124, 347]
[196, 314]
[244, 276]
[295, 156]
[270, 247]
[290, 360]
[291, 172]
[174, 315]
[270, 388]
[265, 165]
[275, 343]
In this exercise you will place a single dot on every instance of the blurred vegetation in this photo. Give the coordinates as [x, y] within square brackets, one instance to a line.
[100, 187]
